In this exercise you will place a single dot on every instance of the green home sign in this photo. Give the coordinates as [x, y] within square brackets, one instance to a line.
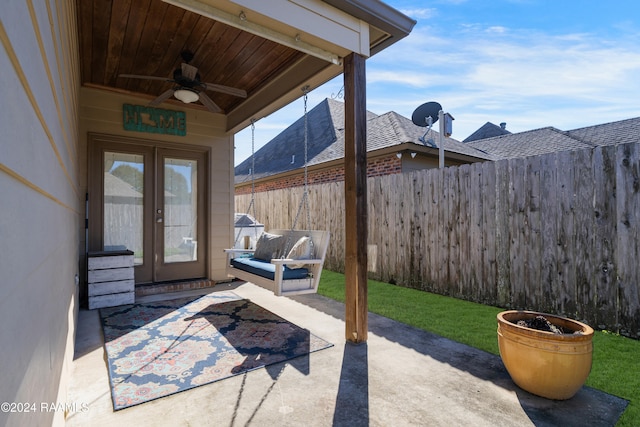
[154, 120]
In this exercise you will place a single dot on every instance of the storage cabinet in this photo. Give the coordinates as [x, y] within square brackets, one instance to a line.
[110, 279]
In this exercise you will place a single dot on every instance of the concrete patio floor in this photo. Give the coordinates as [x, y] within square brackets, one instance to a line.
[401, 377]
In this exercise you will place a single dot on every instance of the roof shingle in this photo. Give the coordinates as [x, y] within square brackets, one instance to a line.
[529, 143]
[549, 139]
[619, 132]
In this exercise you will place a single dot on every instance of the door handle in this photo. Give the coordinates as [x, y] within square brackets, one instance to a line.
[159, 220]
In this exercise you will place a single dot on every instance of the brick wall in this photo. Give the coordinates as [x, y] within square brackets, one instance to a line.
[375, 167]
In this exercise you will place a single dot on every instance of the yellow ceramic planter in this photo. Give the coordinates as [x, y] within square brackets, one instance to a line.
[543, 363]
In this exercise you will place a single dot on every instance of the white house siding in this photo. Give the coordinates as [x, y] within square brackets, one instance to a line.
[41, 206]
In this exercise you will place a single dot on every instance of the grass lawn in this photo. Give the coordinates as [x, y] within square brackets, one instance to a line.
[616, 359]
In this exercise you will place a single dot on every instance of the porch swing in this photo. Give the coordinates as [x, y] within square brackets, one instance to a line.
[286, 262]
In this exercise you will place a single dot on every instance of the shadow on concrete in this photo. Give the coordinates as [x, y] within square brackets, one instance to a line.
[599, 408]
[87, 343]
[352, 400]
[274, 372]
[262, 338]
[589, 406]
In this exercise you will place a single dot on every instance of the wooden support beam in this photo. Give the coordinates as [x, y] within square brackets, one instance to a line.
[356, 217]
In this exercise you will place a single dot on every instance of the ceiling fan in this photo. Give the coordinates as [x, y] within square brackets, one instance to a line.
[187, 86]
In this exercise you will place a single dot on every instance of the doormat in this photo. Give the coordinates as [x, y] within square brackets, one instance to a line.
[160, 348]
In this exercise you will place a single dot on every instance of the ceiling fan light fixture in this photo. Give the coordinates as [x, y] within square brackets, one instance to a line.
[186, 95]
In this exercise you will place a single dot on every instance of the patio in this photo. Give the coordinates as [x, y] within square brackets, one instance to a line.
[401, 376]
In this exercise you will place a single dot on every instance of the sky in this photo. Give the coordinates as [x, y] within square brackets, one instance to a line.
[528, 63]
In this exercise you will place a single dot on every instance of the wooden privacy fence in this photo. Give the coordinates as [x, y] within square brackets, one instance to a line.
[557, 233]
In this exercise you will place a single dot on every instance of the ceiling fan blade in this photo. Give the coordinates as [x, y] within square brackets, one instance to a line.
[225, 89]
[137, 76]
[189, 71]
[207, 102]
[163, 97]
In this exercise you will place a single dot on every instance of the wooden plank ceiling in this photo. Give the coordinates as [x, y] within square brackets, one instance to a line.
[146, 37]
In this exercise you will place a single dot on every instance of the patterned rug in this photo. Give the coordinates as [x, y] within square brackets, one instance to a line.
[160, 348]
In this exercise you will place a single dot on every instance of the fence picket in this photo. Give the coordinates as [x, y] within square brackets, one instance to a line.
[517, 230]
[549, 232]
[628, 212]
[475, 239]
[433, 220]
[584, 255]
[503, 260]
[532, 232]
[489, 279]
[604, 201]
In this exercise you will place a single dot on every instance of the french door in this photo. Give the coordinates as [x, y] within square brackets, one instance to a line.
[149, 199]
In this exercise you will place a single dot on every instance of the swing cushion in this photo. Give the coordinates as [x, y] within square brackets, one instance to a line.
[264, 268]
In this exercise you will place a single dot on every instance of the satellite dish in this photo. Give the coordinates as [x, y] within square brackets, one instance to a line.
[425, 116]
[420, 116]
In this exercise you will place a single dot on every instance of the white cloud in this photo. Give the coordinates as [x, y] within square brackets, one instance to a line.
[497, 29]
[528, 79]
[423, 13]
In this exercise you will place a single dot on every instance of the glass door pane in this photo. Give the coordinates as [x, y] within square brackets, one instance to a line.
[180, 210]
[123, 203]
[132, 189]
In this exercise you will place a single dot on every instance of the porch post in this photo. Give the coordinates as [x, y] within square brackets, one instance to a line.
[355, 185]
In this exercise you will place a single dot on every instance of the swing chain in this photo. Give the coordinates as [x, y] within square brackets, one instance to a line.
[304, 202]
[306, 159]
[253, 185]
[253, 158]
[305, 195]
[253, 177]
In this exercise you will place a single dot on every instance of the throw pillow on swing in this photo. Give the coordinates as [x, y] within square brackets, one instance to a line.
[269, 246]
[303, 249]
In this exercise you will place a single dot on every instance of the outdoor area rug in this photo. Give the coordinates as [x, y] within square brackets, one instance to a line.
[159, 348]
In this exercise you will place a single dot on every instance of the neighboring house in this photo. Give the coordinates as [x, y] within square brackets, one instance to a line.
[393, 146]
[528, 143]
[549, 139]
[69, 116]
[619, 132]
[488, 130]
